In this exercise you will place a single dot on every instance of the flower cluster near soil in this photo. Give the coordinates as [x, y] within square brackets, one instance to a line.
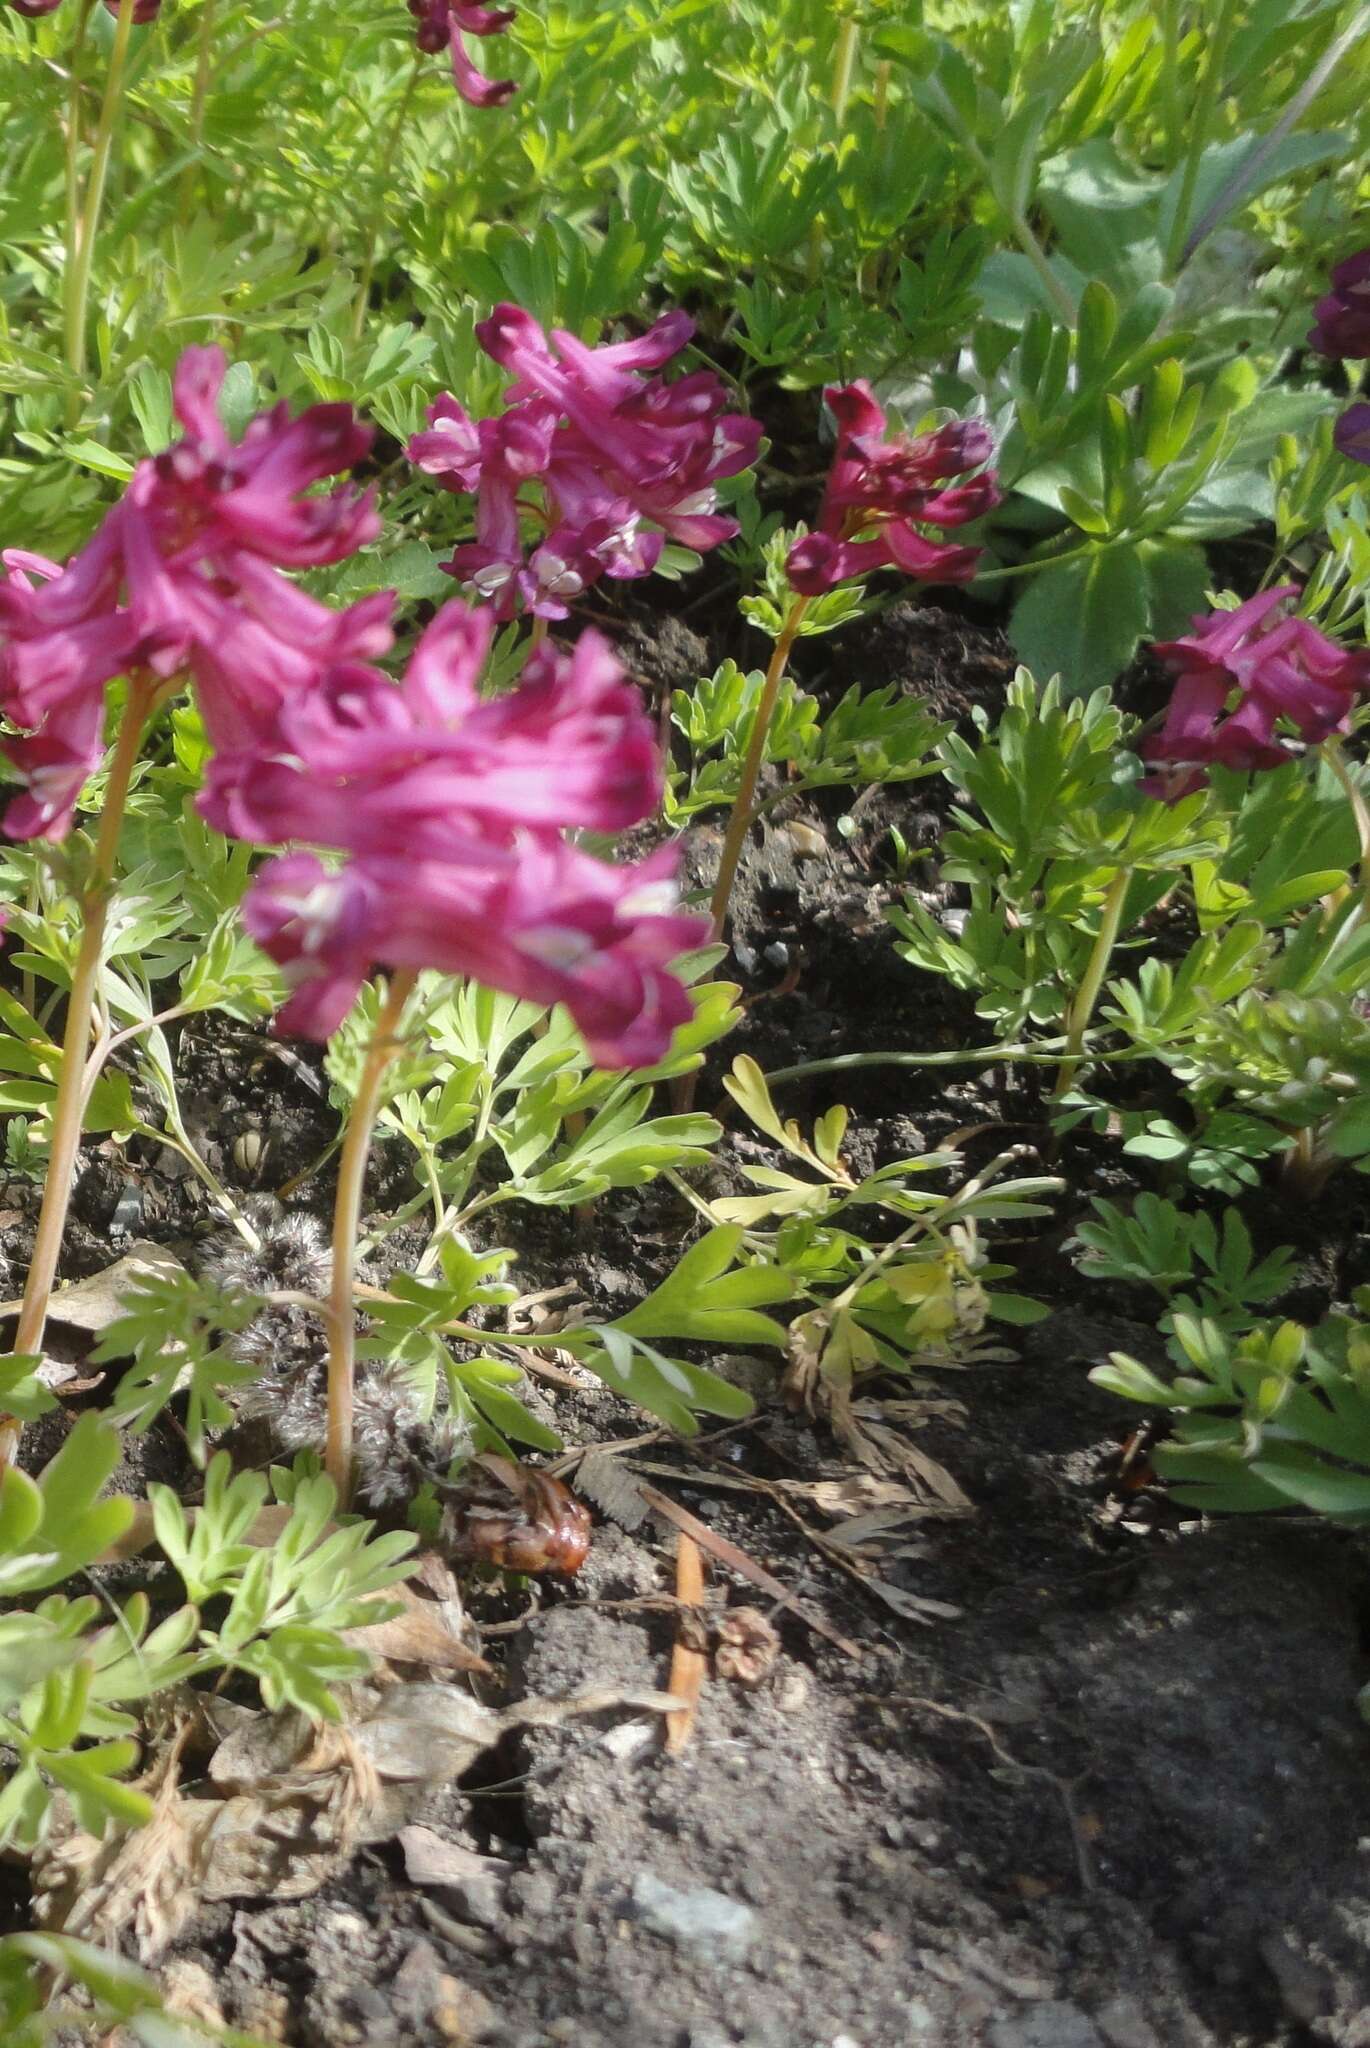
[685, 1024]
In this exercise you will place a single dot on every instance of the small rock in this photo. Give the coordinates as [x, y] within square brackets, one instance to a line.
[1123, 2024]
[471, 1886]
[807, 841]
[699, 1918]
[1048, 2025]
[777, 954]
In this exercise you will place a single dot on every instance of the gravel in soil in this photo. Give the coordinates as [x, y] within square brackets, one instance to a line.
[1116, 1796]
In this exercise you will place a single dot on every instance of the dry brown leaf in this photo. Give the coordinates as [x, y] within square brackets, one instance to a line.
[92, 1305]
[858, 1493]
[912, 1606]
[145, 1883]
[423, 1634]
[881, 1532]
[864, 1428]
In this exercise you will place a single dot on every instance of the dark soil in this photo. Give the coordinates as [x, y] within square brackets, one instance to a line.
[1113, 1793]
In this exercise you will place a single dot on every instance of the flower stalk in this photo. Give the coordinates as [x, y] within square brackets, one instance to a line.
[1087, 995]
[741, 816]
[342, 1333]
[76, 1077]
[76, 283]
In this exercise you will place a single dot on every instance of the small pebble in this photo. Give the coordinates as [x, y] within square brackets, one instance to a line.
[777, 954]
[1048, 2025]
[699, 1918]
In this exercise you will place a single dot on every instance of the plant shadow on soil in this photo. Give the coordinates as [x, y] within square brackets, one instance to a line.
[1120, 1800]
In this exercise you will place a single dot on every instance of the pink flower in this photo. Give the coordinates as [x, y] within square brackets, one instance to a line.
[1343, 316]
[184, 573]
[538, 919]
[621, 461]
[1278, 666]
[441, 26]
[370, 767]
[894, 486]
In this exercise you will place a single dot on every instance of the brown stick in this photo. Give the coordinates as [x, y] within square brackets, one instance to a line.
[688, 1661]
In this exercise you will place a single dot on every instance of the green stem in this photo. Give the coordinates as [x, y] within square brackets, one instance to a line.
[73, 135]
[1170, 79]
[1200, 128]
[342, 1331]
[740, 817]
[71, 1084]
[77, 280]
[844, 67]
[1041, 1052]
[1087, 995]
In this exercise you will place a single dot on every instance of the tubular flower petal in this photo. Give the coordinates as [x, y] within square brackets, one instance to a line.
[886, 489]
[442, 24]
[1342, 318]
[184, 573]
[623, 461]
[1275, 666]
[541, 920]
[372, 768]
[450, 809]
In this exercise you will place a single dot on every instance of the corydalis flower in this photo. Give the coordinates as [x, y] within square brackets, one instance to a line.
[428, 767]
[143, 10]
[183, 573]
[621, 460]
[886, 489]
[452, 809]
[442, 25]
[539, 919]
[1343, 317]
[1266, 666]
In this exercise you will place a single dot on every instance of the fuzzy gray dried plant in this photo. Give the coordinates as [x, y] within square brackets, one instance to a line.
[293, 1258]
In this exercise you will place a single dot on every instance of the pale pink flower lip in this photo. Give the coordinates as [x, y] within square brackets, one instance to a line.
[623, 460]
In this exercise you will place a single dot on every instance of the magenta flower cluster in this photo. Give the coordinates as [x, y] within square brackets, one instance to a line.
[1239, 674]
[452, 810]
[444, 25]
[882, 490]
[184, 575]
[606, 458]
[143, 11]
[449, 811]
[1342, 328]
